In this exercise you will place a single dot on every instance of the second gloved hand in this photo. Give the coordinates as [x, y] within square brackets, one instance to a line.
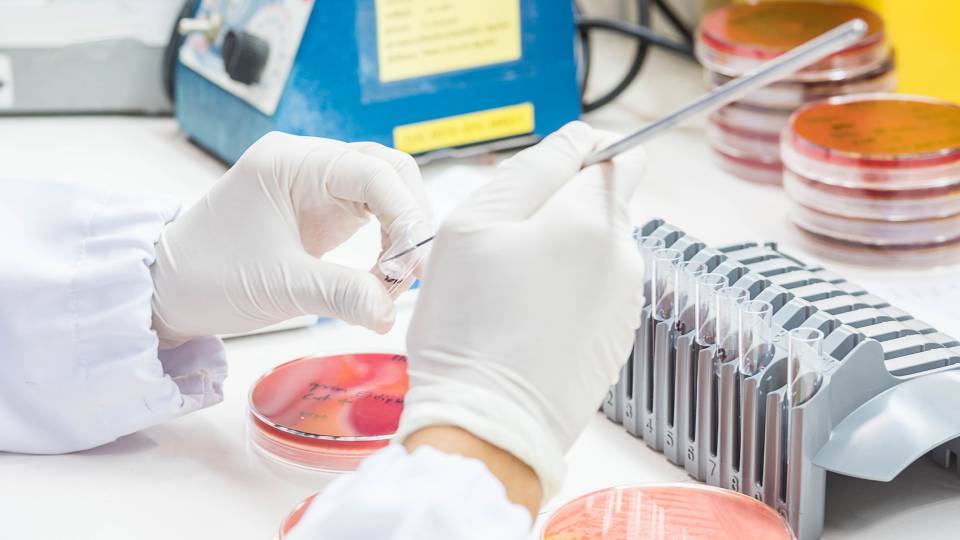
[249, 254]
[530, 303]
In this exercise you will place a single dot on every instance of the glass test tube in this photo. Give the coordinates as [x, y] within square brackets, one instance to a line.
[647, 245]
[686, 295]
[728, 320]
[666, 273]
[708, 285]
[804, 364]
[755, 336]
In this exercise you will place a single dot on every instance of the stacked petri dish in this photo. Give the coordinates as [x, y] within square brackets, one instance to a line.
[735, 39]
[876, 177]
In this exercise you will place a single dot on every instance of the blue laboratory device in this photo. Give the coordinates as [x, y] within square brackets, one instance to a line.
[423, 76]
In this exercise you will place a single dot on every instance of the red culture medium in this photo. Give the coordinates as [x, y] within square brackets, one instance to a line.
[327, 413]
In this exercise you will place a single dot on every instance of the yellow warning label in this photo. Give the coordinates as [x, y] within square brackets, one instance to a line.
[464, 129]
[424, 37]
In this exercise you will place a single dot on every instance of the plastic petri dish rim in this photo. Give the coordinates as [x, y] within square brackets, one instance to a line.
[294, 517]
[787, 95]
[736, 38]
[327, 413]
[664, 511]
[885, 131]
[874, 203]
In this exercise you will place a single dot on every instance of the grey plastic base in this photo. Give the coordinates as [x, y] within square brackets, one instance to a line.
[889, 393]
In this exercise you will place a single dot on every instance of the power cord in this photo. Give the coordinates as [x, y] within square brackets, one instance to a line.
[645, 37]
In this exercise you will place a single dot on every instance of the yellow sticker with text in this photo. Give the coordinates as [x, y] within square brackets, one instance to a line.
[425, 37]
[465, 129]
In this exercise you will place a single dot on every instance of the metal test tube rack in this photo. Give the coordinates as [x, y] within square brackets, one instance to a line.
[735, 431]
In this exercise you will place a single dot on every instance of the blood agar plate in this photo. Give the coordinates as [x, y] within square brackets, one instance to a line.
[327, 413]
[665, 512]
[881, 171]
[735, 39]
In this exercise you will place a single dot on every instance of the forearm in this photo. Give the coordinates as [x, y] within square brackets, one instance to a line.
[522, 485]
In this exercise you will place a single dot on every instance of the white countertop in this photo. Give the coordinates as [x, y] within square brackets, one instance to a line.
[194, 477]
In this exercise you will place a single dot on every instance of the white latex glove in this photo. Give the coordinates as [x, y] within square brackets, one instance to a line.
[249, 254]
[529, 303]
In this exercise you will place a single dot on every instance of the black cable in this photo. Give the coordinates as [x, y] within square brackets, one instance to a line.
[675, 21]
[639, 55]
[583, 37]
[644, 34]
[173, 48]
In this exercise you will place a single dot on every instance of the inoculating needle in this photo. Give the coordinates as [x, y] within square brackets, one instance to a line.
[824, 45]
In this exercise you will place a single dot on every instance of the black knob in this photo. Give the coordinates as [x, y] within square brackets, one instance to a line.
[244, 56]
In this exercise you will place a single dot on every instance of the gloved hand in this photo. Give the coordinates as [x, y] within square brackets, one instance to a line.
[249, 254]
[529, 303]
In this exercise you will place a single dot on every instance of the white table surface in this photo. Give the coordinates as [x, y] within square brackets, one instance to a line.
[194, 478]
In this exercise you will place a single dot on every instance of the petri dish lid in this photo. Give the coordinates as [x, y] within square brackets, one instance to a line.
[735, 38]
[886, 131]
[665, 511]
[344, 397]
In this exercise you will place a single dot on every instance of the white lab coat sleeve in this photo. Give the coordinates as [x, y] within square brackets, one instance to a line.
[79, 363]
[423, 495]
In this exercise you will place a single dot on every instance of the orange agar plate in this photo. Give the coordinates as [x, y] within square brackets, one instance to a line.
[328, 412]
[768, 29]
[665, 512]
[880, 129]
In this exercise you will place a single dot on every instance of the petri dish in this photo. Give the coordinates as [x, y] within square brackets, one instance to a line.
[880, 171]
[294, 517]
[876, 202]
[327, 413]
[876, 137]
[755, 119]
[757, 169]
[884, 234]
[793, 95]
[766, 145]
[735, 39]
[665, 511]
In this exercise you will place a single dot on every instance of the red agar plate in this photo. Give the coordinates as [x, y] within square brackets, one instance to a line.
[665, 511]
[328, 412]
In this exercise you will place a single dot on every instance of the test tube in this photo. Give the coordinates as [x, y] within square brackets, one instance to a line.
[666, 274]
[708, 285]
[685, 299]
[728, 321]
[756, 336]
[804, 364]
[647, 245]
